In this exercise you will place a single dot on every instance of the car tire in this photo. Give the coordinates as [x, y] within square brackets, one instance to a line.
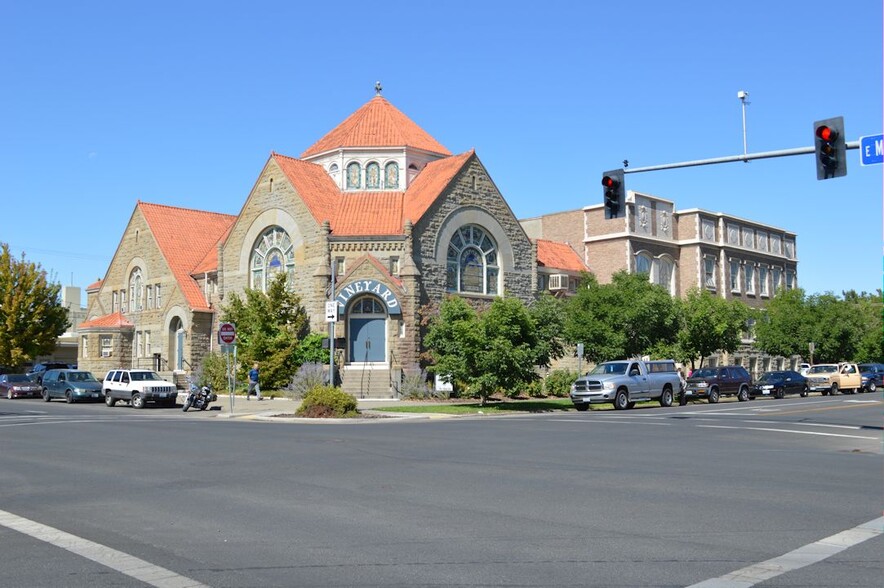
[834, 389]
[46, 396]
[804, 392]
[780, 393]
[743, 394]
[68, 397]
[621, 399]
[137, 400]
[666, 397]
[109, 400]
[872, 387]
[582, 407]
[714, 396]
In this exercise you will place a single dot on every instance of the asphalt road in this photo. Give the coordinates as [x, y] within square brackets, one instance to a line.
[649, 497]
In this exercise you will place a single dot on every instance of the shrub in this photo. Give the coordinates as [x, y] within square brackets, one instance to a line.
[309, 376]
[327, 402]
[534, 389]
[416, 387]
[212, 370]
[558, 382]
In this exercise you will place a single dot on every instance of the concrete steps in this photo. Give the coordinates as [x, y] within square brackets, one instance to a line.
[367, 382]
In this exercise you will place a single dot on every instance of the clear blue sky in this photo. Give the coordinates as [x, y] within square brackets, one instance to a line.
[180, 103]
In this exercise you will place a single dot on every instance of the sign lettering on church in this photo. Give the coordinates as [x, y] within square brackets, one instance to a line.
[368, 287]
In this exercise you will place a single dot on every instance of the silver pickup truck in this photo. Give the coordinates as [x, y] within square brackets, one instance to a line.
[626, 382]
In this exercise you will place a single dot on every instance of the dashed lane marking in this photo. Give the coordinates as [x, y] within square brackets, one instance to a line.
[772, 430]
[116, 560]
[799, 558]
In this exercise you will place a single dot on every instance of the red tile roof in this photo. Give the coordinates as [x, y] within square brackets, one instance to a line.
[377, 123]
[94, 286]
[185, 238]
[313, 184]
[556, 255]
[115, 320]
[430, 183]
[370, 213]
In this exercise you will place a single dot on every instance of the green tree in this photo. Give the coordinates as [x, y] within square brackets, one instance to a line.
[548, 314]
[709, 324]
[269, 330]
[488, 353]
[836, 328]
[785, 325]
[31, 314]
[868, 308]
[627, 318]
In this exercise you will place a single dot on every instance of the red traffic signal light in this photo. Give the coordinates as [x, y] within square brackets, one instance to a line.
[830, 148]
[614, 193]
[609, 182]
[826, 133]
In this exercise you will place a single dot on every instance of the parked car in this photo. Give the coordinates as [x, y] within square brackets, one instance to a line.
[625, 382]
[829, 378]
[778, 384]
[72, 385]
[138, 387]
[803, 368]
[714, 382]
[36, 373]
[872, 376]
[18, 386]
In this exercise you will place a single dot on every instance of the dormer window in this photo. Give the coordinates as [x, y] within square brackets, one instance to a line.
[354, 176]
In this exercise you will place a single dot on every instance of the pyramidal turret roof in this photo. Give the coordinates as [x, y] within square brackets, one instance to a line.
[376, 124]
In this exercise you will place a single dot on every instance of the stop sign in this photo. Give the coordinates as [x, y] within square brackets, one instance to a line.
[227, 333]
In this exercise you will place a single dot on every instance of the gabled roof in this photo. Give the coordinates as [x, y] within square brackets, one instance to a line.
[316, 188]
[113, 321]
[556, 255]
[185, 238]
[94, 286]
[376, 124]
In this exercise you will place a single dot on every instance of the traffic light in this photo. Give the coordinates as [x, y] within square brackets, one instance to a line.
[615, 193]
[831, 148]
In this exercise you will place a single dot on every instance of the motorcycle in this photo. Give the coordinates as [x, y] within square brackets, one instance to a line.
[199, 397]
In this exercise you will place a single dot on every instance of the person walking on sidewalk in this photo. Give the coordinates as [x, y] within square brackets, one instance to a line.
[253, 383]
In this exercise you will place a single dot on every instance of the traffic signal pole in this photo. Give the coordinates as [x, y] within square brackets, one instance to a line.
[730, 159]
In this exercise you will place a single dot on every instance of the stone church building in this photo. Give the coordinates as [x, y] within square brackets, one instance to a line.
[398, 219]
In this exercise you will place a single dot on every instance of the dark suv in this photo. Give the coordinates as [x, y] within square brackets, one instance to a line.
[714, 382]
[36, 373]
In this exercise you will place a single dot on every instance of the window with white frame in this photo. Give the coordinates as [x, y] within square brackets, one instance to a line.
[709, 272]
[749, 273]
[735, 275]
[139, 344]
[84, 346]
[147, 343]
[116, 301]
[273, 253]
[472, 262]
[642, 263]
[776, 277]
[391, 176]
[149, 296]
[663, 272]
[123, 306]
[158, 295]
[790, 279]
[354, 176]
[136, 290]
[372, 176]
[106, 344]
[762, 281]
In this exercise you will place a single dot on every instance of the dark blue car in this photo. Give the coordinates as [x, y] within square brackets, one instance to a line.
[779, 383]
[872, 376]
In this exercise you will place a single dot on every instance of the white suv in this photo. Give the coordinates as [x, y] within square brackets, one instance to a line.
[138, 387]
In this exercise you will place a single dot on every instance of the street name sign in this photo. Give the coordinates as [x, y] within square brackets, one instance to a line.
[871, 150]
[227, 333]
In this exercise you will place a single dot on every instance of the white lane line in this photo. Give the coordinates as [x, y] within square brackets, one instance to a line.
[116, 560]
[850, 427]
[787, 431]
[594, 421]
[799, 558]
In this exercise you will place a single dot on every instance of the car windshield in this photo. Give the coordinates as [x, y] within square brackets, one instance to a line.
[610, 368]
[771, 376]
[140, 376]
[81, 377]
[17, 378]
[823, 369]
[704, 373]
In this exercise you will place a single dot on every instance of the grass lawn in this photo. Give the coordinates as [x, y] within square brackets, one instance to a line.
[501, 407]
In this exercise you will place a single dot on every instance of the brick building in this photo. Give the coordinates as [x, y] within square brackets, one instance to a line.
[403, 221]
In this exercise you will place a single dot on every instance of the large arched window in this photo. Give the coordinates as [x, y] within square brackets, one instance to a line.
[472, 262]
[642, 263]
[273, 253]
[136, 290]
[372, 176]
[664, 272]
[354, 176]
[391, 176]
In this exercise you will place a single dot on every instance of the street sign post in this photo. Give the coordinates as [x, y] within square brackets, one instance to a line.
[227, 333]
[871, 150]
[331, 311]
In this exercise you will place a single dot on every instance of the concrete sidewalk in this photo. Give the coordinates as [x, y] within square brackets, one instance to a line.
[239, 407]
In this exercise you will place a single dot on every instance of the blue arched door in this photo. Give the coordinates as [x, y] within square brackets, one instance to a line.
[367, 331]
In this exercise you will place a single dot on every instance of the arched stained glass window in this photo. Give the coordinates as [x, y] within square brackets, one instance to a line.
[391, 176]
[372, 176]
[472, 262]
[273, 253]
[354, 176]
